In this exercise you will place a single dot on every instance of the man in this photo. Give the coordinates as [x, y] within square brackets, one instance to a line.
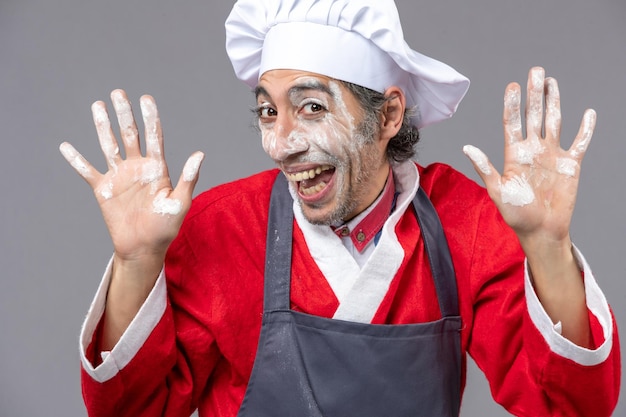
[358, 287]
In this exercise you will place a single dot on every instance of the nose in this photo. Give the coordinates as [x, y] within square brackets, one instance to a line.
[284, 139]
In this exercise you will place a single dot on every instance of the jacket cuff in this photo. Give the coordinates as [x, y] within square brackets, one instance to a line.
[597, 305]
[133, 338]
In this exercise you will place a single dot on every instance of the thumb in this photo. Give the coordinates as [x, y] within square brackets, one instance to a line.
[189, 176]
[483, 167]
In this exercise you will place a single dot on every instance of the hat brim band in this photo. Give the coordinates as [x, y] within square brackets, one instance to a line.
[329, 51]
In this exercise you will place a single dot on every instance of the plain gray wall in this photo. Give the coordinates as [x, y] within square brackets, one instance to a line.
[57, 57]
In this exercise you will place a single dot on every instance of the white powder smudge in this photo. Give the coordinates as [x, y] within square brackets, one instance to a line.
[151, 172]
[107, 191]
[297, 141]
[589, 120]
[305, 136]
[342, 107]
[535, 109]
[190, 171]
[125, 116]
[100, 116]
[479, 158]
[538, 75]
[268, 140]
[566, 166]
[278, 147]
[553, 122]
[108, 144]
[517, 191]
[151, 121]
[526, 150]
[514, 125]
[75, 159]
[163, 205]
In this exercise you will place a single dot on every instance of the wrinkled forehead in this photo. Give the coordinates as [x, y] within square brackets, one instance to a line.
[295, 83]
[298, 88]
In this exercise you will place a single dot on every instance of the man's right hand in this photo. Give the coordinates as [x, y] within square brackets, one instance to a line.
[142, 211]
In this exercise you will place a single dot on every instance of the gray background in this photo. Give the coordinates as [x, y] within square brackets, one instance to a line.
[57, 57]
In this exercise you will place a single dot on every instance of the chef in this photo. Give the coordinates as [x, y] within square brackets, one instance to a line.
[349, 281]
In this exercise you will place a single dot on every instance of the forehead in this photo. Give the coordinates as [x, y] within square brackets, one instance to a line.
[286, 83]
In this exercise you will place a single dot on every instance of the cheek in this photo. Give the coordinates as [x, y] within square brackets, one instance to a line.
[280, 144]
[268, 140]
[320, 138]
[333, 137]
[299, 137]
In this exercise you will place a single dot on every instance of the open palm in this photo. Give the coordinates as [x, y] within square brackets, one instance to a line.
[142, 211]
[536, 192]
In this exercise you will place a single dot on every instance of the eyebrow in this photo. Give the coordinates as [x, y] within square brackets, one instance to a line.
[298, 88]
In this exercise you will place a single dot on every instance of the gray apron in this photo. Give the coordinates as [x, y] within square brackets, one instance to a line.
[313, 366]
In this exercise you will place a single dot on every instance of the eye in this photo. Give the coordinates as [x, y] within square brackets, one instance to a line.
[313, 108]
[265, 112]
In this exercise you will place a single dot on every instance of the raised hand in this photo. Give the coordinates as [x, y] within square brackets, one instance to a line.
[142, 211]
[537, 190]
[536, 194]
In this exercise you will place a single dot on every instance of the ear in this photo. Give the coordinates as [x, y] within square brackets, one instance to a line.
[392, 114]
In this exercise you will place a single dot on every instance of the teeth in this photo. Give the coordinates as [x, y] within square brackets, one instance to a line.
[308, 175]
[312, 190]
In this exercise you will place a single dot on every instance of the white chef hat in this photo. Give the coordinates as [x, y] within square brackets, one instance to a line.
[358, 41]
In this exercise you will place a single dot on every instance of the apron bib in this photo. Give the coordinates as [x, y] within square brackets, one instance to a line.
[314, 366]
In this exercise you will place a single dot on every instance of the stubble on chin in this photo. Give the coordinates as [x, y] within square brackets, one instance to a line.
[317, 215]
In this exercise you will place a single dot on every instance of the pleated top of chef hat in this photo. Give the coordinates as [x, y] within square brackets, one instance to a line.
[358, 41]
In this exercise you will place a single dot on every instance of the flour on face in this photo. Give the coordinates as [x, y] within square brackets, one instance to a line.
[308, 127]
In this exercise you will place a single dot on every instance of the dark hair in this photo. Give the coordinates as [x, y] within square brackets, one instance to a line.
[402, 146]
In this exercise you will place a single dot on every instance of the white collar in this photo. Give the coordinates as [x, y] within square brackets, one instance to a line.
[361, 290]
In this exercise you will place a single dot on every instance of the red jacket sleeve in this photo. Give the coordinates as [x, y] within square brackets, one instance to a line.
[167, 375]
[525, 375]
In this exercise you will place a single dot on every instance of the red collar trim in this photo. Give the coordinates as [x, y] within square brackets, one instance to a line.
[363, 233]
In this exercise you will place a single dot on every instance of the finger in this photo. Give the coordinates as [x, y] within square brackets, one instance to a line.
[511, 117]
[152, 125]
[189, 176]
[126, 121]
[483, 167]
[166, 203]
[534, 102]
[553, 110]
[79, 163]
[108, 143]
[583, 138]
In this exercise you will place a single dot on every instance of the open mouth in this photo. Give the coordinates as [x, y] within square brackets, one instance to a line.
[313, 181]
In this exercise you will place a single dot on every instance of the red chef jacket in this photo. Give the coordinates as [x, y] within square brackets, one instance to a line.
[194, 342]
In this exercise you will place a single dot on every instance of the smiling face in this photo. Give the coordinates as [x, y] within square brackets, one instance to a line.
[310, 126]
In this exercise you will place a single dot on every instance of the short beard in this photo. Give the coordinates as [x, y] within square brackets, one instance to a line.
[366, 133]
